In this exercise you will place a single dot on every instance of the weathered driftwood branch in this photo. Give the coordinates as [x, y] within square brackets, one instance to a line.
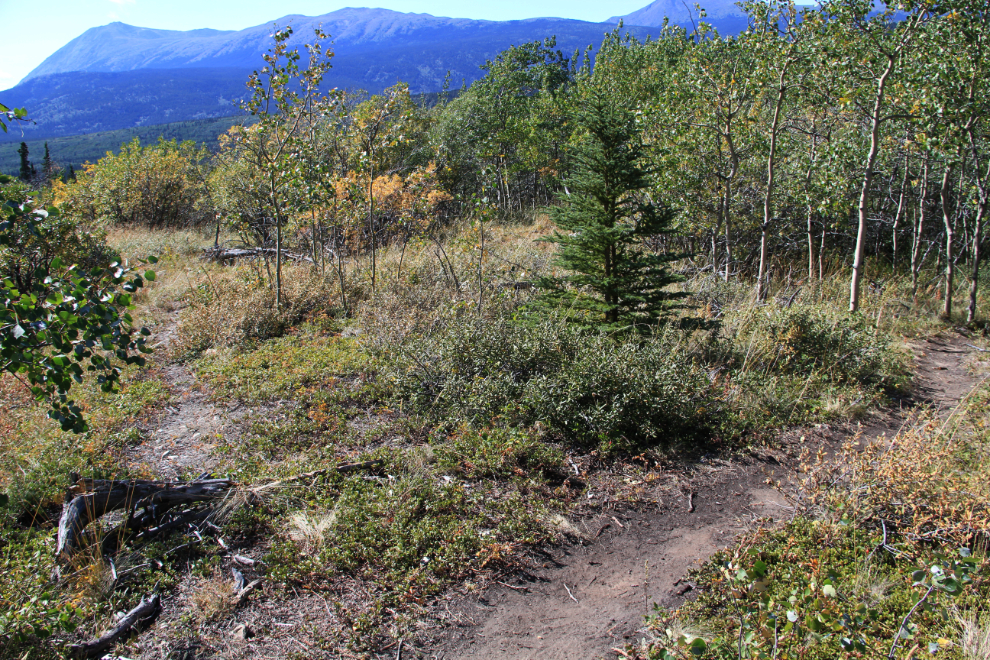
[93, 499]
[146, 612]
[341, 469]
[517, 286]
[232, 254]
[245, 592]
[150, 503]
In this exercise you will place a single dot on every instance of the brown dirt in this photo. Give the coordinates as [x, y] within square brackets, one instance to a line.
[180, 440]
[945, 368]
[585, 598]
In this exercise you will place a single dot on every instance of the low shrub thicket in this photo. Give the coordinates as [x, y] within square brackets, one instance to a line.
[495, 453]
[840, 348]
[53, 236]
[410, 534]
[588, 389]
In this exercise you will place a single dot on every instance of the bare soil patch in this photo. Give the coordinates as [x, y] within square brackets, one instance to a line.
[579, 601]
[181, 439]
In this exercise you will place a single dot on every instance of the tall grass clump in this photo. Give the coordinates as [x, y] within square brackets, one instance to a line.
[806, 339]
[234, 311]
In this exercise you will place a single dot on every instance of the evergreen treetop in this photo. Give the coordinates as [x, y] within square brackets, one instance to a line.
[603, 219]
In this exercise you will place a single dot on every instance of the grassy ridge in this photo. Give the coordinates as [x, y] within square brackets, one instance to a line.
[78, 149]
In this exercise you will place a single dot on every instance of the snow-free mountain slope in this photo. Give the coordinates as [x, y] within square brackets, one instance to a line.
[121, 76]
[120, 47]
[682, 12]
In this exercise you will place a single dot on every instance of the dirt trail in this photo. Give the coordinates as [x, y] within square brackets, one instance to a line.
[584, 600]
[181, 439]
[942, 374]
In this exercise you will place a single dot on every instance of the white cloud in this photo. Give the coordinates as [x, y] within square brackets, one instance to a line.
[4, 75]
[123, 2]
[113, 16]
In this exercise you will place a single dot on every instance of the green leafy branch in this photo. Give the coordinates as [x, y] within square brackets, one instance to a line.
[66, 322]
[11, 115]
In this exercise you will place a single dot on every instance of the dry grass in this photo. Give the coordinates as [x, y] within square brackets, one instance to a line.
[310, 530]
[974, 636]
[211, 598]
[930, 479]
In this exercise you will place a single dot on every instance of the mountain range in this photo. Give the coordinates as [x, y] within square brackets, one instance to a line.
[723, 14]
[121, 76]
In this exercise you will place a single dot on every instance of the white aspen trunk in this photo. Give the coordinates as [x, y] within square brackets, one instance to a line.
[761, 283]
[918, 231]
[977, 237]
[864, 196]
[899, 214]
[949, 238]
[811, 248]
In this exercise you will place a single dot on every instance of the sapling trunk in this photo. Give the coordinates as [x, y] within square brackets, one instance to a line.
[918, 231]
[768, 193]
[899, 214]
[977, 238]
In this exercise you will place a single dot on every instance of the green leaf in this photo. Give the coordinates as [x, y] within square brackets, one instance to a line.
[149, 275]
[813, 623]
[951, 586]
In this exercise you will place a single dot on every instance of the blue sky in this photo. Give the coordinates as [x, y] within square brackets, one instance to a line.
[34, 29]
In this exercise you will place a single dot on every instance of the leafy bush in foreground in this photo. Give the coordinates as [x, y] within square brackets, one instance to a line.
[589, 389]
[57, 320]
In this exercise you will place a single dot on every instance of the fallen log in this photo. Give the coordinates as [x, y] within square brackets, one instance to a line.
[89, 499]
[232, 254]
[145, 612]
[106, 496]
[245, 592]
[516, 286]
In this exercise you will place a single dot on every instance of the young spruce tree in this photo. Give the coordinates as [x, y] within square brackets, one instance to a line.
[602, 222]
[47, 166]
[27, 169]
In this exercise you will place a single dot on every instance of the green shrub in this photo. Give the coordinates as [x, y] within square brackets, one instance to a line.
[411, 535]
[156, 186]
[588, 389]
[50, 237]
[820, 590]
[848, 348]
[30, 610]
[284, 367]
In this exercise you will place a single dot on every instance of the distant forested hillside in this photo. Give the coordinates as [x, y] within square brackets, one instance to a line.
[78, 149]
